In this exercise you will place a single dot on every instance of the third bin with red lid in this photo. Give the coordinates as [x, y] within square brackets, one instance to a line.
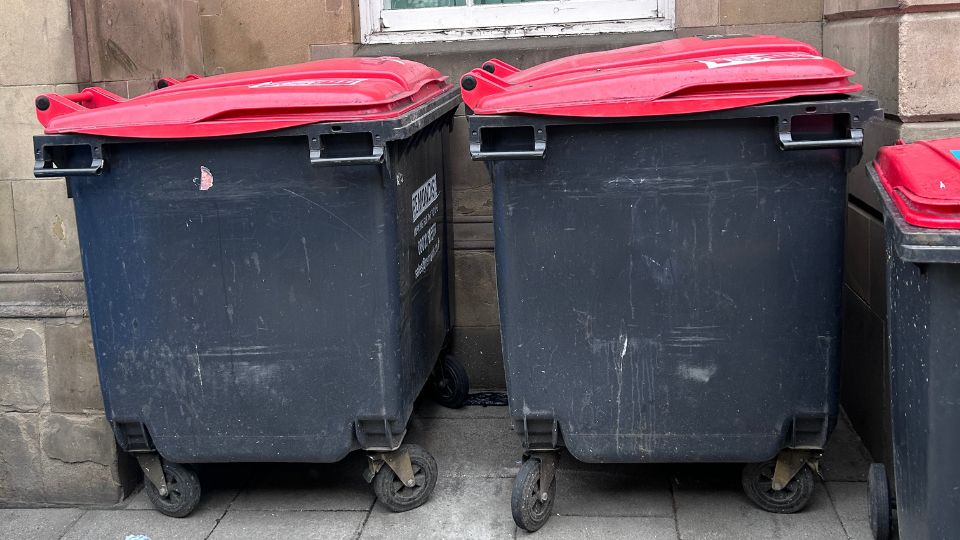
[265, 256]
[669, 237]
[919, 186]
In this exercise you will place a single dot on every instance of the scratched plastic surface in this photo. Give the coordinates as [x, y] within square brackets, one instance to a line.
[670, 288]
[250, 305]
[923, 299]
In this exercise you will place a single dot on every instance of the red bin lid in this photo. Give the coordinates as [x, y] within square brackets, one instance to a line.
[334, 90]
[678, 76]
[923, 179]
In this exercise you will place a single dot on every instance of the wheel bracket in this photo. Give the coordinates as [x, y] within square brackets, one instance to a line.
[548, 468]
[398, 461]
[789, 463]
[153, 471]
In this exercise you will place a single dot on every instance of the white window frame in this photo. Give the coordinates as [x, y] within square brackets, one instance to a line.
[547, 18]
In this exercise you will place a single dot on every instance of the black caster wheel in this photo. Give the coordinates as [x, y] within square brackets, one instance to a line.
[450, 383]
[183, 491]
[757, 482]
[530, 511]
[398, 497]
[879, 501]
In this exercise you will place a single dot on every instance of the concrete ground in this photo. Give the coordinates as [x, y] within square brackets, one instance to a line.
[478, 455]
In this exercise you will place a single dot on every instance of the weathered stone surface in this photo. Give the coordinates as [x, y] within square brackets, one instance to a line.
[46, 227]
[23, 373]
[77, 438]
[308, 488]
[726, 513]
[18, 124]
[120, 49]
[8, 230]
[475, 234]
[72, 367]
[328, 525]
[692, 13]
[901, 60]
[869, 47]
[580, 527]
[851, 500]
[807, 32]
[476, 288]
[37, 523]
[769, 11]
[486, 447]
[42, 295]
[929, 74]
[103, 524]
[486, 516]
[20, 468]
[334, 50]
[853, 7]
[833, 7]
[241, 37]
[80, 483]
[36, 43]
[472, 192]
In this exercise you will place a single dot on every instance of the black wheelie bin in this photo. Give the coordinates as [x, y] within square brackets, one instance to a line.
[919, 185]
[669, 236]
[265, 263]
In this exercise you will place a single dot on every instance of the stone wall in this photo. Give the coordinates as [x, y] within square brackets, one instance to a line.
[905, 53]
[55, 445]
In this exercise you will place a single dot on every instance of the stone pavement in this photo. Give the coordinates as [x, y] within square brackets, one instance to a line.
[478, 455]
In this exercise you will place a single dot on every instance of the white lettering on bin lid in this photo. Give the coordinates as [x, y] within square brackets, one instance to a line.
[307, 82]
[756, 59]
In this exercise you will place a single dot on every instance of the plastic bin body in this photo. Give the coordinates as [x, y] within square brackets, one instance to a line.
[923, 280]
[670, 286]
[291, 311]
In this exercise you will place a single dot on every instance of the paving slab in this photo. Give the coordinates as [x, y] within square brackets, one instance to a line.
[578, 528]
[724, 512]
[328, 486]
[844, 458]
[118, 524]
[37, 523]
[289, 525]
[461, 507]
[480, 447]
[851, 500]
[621, 491]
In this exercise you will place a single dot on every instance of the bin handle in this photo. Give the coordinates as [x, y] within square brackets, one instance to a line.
[521, 154]
[375, 158]
[855, 140]
[44, 166]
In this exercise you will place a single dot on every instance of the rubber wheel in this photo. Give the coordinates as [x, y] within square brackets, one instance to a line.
[398, 497]
[450, 384]
[757, 482]
[879, 501]
[183, 491]
[530, 512]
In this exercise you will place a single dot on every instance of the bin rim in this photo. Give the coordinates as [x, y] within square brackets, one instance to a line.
[912, 243]
[380, 132]
[859, 109]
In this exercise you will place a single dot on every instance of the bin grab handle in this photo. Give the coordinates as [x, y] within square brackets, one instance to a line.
[855, 140]
[42, 171]
[44, 166]
[375, 158]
